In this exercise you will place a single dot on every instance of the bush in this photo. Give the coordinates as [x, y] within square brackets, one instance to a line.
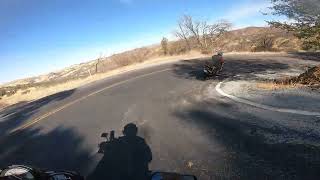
[206, 51]
[2, 92]
[8, 91]
[264, 43]
[177, 47]
[131, 57]
[25, 92]
[164, 45]
[11, 92]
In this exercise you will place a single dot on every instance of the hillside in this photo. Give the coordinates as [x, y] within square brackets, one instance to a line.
[249, 39]
[83, 70]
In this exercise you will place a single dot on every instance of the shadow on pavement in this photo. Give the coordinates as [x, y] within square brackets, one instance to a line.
[58, 149]
[256, 157]
[299, 99]
[235, 68]
[126, 157]
[15, 115]
[314, 56]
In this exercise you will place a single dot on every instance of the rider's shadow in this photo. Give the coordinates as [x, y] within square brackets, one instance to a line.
[126, 157]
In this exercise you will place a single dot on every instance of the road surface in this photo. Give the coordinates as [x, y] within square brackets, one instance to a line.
[189, 127]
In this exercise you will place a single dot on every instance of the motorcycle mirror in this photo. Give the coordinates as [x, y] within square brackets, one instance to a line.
[104, 135]
[171, 176]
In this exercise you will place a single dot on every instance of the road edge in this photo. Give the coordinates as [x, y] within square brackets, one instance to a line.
[263, 106]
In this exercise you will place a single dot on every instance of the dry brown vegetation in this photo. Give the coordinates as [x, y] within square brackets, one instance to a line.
[257, 39]
[310, 78]
[252, 39]
[276, 86]
[195, 34]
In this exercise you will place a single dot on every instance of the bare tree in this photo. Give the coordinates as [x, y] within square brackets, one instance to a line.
[193, 26]
[182, 32]
[201, 32]
[218, 29]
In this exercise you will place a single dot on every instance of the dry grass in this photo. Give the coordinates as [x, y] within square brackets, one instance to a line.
[39, 92]
[310, 78]
[276, 86]
[2, 105]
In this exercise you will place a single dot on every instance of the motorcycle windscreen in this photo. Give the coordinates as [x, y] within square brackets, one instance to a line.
[18, 172]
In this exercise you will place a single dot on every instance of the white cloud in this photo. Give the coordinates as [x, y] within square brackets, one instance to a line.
[246, 10]
[248, 13]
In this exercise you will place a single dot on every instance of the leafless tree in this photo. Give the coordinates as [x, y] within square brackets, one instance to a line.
[265, 41]
[216, 30]
[182, 32]
[194, 28]
[203, 33]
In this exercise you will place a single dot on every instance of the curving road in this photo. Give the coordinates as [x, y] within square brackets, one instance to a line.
[189, 127]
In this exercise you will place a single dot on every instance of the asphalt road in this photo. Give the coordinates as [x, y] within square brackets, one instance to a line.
[189, 127]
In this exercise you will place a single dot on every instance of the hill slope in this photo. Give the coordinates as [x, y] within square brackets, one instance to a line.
[252, 38]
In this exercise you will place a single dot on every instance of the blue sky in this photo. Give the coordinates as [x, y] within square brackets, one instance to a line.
[39, 36]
